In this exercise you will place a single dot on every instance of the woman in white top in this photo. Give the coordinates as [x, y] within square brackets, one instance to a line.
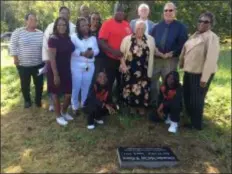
[82, 62]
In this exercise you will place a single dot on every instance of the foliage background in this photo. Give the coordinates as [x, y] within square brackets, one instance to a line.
[13, 12]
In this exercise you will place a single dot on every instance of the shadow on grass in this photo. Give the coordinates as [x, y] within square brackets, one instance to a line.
[32, 140]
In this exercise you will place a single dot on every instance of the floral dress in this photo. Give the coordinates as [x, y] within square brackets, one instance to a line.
[135, 83]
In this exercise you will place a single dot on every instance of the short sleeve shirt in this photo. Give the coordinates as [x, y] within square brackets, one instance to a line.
[114, 32]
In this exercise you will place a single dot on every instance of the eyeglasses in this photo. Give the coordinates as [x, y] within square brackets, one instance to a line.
[202, 21]
[168, 10]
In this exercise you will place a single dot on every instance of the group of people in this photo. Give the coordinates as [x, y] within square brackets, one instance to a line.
[83, 61]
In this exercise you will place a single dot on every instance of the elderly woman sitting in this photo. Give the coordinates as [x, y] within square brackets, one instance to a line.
[137, 67]
[199, 61]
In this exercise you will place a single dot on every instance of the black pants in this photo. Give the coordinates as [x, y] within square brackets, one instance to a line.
[174, 114]
[194, 97]
[25, 74]
[97, 114]
[112, 71]
[99, 66]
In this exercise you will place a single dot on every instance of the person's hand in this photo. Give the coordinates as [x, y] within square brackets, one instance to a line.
[110, 109]
[56, 80]
[203, 84]
[168, 55]
[16, 60]
[116, 53]
[123, 68]
[89, 53]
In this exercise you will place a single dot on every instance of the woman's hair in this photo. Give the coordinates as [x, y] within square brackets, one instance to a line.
[176, 79]
[140, 22]
[100, 20]
[79, 34]
[210, 16]
[55, 31]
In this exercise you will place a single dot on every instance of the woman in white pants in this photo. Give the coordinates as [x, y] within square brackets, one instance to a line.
[82, 62]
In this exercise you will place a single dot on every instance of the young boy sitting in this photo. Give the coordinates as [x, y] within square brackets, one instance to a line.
[169, 102]
[97, 103]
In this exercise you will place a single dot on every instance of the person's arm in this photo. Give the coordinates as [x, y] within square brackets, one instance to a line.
[182, 38]
[52, 57]
[77, 51]
[213, 49]
[14, 46]
[105, 46]
[123, 49]
[153, 48]
[52, 50]
[47, 32]
[181, 58]
[95, 47]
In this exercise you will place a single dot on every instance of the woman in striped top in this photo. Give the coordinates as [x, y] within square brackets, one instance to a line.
[26, 49]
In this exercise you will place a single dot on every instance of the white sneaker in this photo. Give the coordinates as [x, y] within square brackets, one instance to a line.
[99, 121]
[90, 127]
[167, 121]
[61, 121]
[173, 127]
[51, 108]
[67, 117]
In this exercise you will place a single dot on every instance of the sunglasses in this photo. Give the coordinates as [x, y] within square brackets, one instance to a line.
[202, 21]
[168, 10]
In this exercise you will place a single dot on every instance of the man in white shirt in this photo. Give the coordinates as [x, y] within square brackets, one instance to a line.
[65, 13]
[143, 12]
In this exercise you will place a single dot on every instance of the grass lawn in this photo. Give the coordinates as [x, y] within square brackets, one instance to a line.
[32, 141]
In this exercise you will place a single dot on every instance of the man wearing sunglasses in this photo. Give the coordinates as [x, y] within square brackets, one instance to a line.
[170, 36]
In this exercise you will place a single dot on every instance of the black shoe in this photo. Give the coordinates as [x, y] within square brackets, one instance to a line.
[27, 104]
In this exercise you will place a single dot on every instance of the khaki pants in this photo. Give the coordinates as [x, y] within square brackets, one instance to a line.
[161, 68]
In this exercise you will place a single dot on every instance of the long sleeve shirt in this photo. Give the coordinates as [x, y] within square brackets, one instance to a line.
[200, 54]
[81, 45]
[47, 33]
[27, 46]
[176, 36]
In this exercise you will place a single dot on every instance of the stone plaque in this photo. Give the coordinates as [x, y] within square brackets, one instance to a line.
[155, 157]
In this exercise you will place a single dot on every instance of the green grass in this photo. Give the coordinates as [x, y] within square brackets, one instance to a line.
[31, 140]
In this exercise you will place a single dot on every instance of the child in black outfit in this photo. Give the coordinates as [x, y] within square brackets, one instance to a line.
[169, 102]
[97, 103]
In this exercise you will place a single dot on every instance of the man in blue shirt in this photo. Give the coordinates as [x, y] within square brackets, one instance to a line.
[170, 36]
